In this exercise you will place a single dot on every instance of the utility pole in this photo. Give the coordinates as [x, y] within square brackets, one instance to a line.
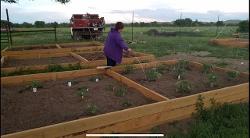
[133, 26]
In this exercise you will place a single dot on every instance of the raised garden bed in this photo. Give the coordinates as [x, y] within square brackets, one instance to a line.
[130, 120]
[31, 48]
[38, 61]
[14, 65]
[34, 50]
[164, 79]
[56, 102]
[231, 42]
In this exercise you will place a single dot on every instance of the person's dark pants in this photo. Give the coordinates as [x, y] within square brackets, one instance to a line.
[110, 62]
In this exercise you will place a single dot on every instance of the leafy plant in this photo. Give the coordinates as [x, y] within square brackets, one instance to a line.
[126, 103]
[180, 68]
[93, 78]
[183, 86]
[152, 74]
[212, 80]
[82, 91]
[162, 68]
[35, 84]
[128, 69]
[232, 75]
[91, 109]
[109, 88]
[74, 67]
[55, 68]
[207, 68]
[120, 91]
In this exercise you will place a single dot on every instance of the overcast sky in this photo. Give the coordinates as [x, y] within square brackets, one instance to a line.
[121, 10]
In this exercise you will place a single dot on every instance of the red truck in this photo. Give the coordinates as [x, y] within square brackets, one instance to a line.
[88, 26]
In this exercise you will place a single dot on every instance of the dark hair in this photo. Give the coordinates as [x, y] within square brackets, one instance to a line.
[119, 25]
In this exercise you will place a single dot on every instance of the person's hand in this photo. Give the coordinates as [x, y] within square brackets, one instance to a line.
[129, 49]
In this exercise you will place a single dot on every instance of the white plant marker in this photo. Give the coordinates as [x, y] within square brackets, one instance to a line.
[34, 89]
[241, 63]
[87, 89]
[69, 83]
[96, 80]
[179, 77]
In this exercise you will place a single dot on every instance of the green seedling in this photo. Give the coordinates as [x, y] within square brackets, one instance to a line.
[55, 68]
[95, 78]
[82, 91]
[180, 68]
[126, 103]
[183, 86]
[120, 91]
[91, 109]
[109, 88]
[207, 68]
[212, 80]
[162, 68]
[232, 75]
[128, 69]
[35, 84]
[152, 74]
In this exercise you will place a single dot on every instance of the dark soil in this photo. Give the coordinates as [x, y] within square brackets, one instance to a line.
[166, 84]
[100, 56]
[55, 102]
[41, 61]
[77, 46]
[31, 48]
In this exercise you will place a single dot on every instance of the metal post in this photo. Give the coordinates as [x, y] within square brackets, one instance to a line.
[133, 26]
[55, 33]
[9, 27]
[217, 26]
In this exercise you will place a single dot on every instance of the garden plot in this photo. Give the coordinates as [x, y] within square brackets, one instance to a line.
[182, 79]
[78, 45]
[55, 102]
[38, 61]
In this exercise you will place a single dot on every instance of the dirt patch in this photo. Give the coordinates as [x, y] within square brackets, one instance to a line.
[231, 42]
[236, 64]
[101, 56]
[31, 48]
[55, 102]
[166, 83]
[41, 61]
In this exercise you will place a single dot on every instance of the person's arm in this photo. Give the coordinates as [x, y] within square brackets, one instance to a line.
[120, 42]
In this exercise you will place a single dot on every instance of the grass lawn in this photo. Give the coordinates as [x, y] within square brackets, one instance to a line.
[157, 45]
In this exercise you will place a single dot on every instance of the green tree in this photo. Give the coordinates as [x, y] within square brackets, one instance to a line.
[39, 24]
[219, 23]
[243, 26]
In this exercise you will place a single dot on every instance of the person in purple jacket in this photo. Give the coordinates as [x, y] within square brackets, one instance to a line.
[114, 45]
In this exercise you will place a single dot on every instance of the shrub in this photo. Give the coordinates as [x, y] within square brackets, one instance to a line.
[128, 69]
[120, 91]
[243, 26]
[212, 80]
[152, 74]
[91, 109]
[183, 86]
[232, 75]
[207, 68]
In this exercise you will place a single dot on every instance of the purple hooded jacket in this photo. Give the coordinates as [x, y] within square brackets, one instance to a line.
[114, 45]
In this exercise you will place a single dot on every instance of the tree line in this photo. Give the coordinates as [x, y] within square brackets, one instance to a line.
[187, 22]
